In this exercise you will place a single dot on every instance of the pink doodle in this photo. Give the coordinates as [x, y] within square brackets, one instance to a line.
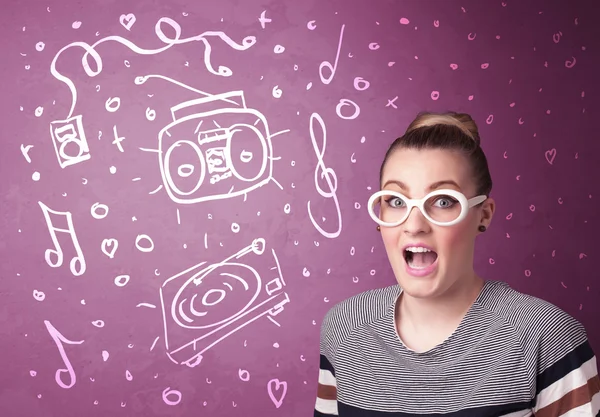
[570, 63]
[328, 65]
[168, 394]
[127, 20]
[550, 155]
[273, 388]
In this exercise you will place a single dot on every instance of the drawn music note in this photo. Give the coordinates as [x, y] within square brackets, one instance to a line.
[59, 339]
[326, 173]
[327, 64]
[77, 264]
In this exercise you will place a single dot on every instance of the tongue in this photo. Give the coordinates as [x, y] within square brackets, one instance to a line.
[423, 259]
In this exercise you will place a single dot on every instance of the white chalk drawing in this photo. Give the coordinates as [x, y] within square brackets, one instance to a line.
[25, 152]
[326, 173]
[109, 247]
[99, 211]
[122, 280]
[118, 139]
[263, 19]
[70, 131]
[112, 104]
[39, 295]
[231, 152]
[127, 20]
[327, 64]
[70, 143]
[207, 303]
[59, 339]
[173, 393]
[77, 263]
[346, 102]
[144, 243]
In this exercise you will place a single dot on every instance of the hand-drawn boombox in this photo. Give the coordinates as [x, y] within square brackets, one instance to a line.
[215, 148]
[205, 304]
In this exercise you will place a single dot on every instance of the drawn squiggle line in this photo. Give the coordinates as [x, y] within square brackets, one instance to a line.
[143, 78]
[247, 42]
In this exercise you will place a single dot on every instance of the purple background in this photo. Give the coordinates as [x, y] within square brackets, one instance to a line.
[530, 71]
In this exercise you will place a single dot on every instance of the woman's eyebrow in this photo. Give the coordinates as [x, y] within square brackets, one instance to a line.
[432, 187]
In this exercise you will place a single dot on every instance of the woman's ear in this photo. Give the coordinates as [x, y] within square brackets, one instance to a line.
[487, 212]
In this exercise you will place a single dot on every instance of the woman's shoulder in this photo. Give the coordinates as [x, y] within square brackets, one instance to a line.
[537, 318]
[368, 306]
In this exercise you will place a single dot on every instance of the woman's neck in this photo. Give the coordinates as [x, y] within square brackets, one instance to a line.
[440, 314]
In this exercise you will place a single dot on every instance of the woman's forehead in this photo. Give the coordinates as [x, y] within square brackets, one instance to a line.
[423, 170]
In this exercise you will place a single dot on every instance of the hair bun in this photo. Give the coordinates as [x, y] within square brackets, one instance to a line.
[463, 121]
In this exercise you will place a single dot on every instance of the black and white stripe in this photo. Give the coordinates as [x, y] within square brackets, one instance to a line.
[496, 363]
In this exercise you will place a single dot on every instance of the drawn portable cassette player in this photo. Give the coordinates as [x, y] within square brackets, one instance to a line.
[215, 148]
[207, 303]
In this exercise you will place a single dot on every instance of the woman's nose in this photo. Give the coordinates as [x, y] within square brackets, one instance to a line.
[416, 222]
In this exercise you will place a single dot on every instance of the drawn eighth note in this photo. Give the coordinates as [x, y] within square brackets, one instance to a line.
[59, 339]
[77, 264]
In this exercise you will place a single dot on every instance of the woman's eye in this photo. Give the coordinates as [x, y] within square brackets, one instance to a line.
[395, 202]
[445, 202]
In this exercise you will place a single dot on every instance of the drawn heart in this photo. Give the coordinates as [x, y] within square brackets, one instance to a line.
[272, 387]
[550, 155]
[127, 20]
[109, 247]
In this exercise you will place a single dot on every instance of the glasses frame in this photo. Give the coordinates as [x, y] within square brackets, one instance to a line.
[465, 205]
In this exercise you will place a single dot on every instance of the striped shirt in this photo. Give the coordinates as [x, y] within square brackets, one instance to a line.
[512, 355]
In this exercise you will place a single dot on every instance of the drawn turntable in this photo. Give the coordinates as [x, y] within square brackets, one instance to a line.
[207, 303]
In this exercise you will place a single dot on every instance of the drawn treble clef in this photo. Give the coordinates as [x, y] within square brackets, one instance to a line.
[59, 339]
[325, 173]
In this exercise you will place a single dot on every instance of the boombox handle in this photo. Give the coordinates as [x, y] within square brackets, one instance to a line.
[212, 102]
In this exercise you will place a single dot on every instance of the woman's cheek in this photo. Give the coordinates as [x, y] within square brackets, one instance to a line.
[455, 239]
[390, 238]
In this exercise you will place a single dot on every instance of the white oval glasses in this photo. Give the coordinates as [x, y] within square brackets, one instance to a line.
[441, 207]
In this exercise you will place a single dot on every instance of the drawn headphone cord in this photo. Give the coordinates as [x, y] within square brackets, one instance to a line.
[70, 131]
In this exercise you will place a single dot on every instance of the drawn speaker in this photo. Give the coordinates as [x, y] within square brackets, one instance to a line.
[207, 303]
[215, 148]
[70, 143]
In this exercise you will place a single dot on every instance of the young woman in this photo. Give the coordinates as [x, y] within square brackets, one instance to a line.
[445, 342]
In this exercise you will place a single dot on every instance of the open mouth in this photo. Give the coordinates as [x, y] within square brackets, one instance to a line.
[420, 259]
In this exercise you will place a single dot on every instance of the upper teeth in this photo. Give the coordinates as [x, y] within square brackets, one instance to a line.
[417, 249]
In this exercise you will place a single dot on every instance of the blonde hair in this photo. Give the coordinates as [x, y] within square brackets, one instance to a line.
[462, 121]
[452, 131]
